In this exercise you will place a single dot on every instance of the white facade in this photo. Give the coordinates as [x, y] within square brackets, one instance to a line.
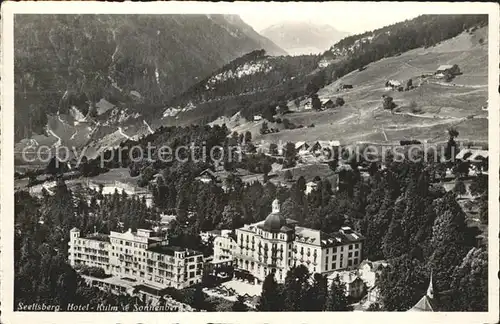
[277, 244]
[139, 256]
[224, 245]
[310, 186]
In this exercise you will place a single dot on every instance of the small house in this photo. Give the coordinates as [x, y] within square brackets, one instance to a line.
[257, 118]
[301, 146]
[207, 176]
[355, 286]
[346, 86]
[327, 103]
[324, 147]
[448, 69]
[394, 84]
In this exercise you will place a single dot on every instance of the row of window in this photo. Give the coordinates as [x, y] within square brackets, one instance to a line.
[341, 248]
[350, 263]
[128, 243]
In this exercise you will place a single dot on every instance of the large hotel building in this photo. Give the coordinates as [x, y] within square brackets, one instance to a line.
[278, 244]
[137, 255]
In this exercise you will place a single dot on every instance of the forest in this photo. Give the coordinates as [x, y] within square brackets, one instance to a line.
[406, 218]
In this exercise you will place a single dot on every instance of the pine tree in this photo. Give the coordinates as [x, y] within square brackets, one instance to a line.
[270, 298]
[337, 300]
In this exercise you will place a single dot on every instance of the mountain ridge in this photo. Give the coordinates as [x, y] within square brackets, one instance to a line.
[65, 61]
[303, 37]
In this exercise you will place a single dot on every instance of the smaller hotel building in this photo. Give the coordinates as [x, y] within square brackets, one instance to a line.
[140, 256]
[276, 244]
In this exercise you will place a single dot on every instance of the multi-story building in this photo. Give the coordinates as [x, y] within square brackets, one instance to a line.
[224, 245]
[137, 255]
[222, 260]
[278, 244]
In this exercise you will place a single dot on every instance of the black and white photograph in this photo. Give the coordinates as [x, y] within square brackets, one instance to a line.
[250, 157]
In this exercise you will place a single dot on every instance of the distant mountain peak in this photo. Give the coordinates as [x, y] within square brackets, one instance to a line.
[303, 37]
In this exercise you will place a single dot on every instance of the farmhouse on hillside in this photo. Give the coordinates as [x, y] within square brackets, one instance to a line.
[320, 147]
[301, 146]
[394, 84]
[448, 69]
[208, 175]
[327, 103]
[355, 286]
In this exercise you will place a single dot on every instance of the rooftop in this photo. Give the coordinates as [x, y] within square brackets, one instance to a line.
[156, 291]
[170, 250]
[425, 304]
[98, 237]
[342, 237]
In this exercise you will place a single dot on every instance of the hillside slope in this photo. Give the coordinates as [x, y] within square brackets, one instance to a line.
[130, 60]
[422, 113]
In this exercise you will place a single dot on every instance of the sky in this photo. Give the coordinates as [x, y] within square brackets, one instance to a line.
[353, 17]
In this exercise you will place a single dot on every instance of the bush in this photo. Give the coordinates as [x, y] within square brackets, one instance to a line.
[388, 103]
[339, 101]
[414, 108]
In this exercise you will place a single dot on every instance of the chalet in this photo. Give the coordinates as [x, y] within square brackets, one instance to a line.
[448, 69]
[207, 176]
[321, 147]
[301, 146]
[355, 286]
[394, 84]
[327, 103]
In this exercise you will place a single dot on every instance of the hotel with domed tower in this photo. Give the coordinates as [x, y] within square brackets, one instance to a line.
[277, 244]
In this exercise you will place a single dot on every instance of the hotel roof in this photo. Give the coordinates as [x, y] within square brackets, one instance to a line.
[98, 237]
[170, 250]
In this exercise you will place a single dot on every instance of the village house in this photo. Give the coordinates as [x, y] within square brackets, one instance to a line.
[324, 147]
[257, 118]
[206, 236]
[447, 69]
[355, 286]
[327, 103]
[393, 84]
[207, 176]
[301, 146]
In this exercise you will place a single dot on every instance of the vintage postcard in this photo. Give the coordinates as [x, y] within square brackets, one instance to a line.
[187, 162]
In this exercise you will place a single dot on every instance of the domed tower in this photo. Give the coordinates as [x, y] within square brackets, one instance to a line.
[275, 220]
